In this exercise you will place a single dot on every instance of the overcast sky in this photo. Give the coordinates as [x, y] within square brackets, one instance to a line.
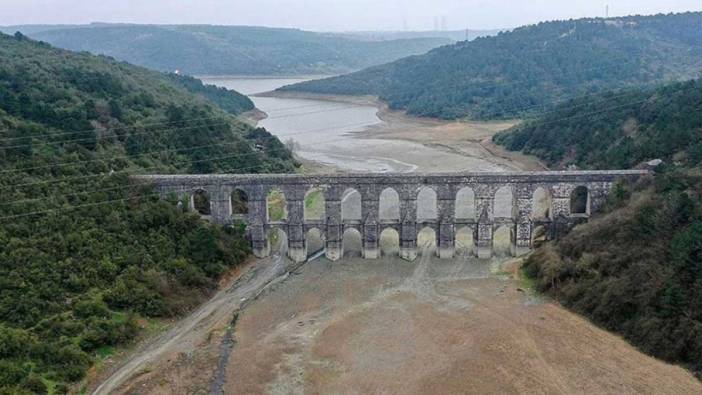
[330, 15]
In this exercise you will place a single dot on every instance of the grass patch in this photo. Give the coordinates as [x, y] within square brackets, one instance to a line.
[277, 210]
[314, 205]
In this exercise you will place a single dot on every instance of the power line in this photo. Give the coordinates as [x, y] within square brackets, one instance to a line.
[305, 132]
[238, 155]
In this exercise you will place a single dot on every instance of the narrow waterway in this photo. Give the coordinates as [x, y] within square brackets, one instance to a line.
[326, 132]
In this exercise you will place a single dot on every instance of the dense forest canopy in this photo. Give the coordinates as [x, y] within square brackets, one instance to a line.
[204, 49]
[617, 129]
[526, 71]
[86, 257]
[637, 267]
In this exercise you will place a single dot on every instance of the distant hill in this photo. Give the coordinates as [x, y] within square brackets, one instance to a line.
[204, 49]
[525, 71]
[453, 35]
[617, 129]
[86, 256]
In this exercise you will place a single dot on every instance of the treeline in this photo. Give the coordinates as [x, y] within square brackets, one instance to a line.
[637, 267]
[87, 259]
[525, 72]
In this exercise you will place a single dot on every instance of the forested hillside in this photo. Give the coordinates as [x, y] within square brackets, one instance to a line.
[230, 101]
[526, 71]
[617, 129]
[637, 267]
[86, 258]
[203, 49]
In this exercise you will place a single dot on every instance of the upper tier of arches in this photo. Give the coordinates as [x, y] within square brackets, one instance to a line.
[425, 205]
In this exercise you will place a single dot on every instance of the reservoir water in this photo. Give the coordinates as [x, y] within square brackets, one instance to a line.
[323, 132]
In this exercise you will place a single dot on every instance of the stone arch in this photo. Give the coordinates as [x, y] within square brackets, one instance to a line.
[276, 205]
[502, 241]
[314, 240]
[426, 205]
[315, 205]
[238, 202]
[580, 200]
[504, 203]
[389, 205]
[351, 205]
[426, 240]
[352, 242]
[389, 242]
[465, 204]
[541, 203]
[200, 202]
[277, 241]
[464, 242]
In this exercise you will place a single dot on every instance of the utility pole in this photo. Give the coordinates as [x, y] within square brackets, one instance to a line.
[607, 11]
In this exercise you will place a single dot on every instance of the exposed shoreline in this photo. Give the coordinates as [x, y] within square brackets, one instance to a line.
[471, 139]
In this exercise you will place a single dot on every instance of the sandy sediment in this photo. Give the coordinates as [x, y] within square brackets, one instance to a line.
[440, 327]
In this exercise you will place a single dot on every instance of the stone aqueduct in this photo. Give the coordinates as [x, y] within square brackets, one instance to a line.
[482, 187]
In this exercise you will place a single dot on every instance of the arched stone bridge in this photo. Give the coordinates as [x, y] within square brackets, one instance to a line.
[460, 201]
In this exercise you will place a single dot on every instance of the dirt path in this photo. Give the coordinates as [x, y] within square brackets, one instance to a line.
[189, 333]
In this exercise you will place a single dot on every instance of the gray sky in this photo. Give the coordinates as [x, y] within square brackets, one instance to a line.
[330, 15]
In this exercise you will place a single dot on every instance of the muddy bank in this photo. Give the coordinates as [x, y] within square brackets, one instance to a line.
[450, 145]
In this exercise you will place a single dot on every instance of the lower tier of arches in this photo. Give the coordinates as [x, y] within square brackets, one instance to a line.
[406, 241]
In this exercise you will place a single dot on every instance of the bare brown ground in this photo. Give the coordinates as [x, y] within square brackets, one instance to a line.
[428, 328]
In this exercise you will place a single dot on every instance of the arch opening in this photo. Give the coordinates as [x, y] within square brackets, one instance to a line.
[315, 205]
[201, 202]
[239, 202]
[314, 240]
[351, 205]
[502, 241]
[426, 205]
[504, 203]
[277, 241]
[541, 204]
[276, 206]
[389, 242]
[426, 240]
[465, 204]
[579, 200]
[464, 242]
[352, 243]
[389, 205]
